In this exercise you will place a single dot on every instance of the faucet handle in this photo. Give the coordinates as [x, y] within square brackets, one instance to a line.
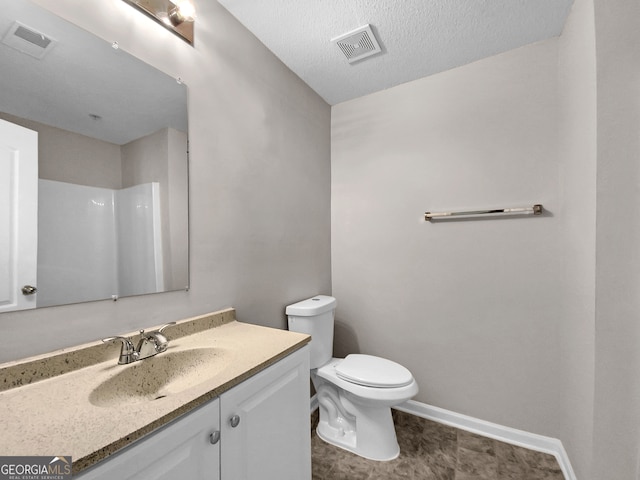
[127, 351]
[157, 337]
[165, 326]
[126, 343]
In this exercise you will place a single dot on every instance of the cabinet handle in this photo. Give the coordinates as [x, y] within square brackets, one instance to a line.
[234, 421]
[214, 437]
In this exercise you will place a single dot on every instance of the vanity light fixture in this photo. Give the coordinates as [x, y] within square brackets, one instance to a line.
[177, 16]
[181, 11]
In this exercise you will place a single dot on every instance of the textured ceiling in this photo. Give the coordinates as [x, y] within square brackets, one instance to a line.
[418, 37]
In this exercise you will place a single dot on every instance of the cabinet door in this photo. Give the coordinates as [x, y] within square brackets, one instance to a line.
[265, 432]
[181, 450]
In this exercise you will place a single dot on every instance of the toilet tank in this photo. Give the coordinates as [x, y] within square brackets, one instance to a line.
[314, 317]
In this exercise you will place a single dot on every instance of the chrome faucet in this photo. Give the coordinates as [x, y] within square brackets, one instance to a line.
[150, 344]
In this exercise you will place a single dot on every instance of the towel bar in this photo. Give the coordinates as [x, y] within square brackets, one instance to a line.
[533, 210]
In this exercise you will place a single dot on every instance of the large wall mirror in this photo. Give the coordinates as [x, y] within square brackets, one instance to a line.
[93, 167]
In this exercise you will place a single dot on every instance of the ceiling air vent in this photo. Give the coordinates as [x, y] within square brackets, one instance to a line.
[358, 44]
[27, 40]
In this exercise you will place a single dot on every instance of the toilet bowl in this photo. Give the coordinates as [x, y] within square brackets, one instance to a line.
[355, 394]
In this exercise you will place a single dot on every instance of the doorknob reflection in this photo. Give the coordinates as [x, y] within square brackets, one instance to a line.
[29, 290]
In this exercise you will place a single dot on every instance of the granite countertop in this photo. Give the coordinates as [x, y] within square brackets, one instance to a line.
[49, 402]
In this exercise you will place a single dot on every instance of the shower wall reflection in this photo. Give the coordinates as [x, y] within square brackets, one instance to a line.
[97, 242]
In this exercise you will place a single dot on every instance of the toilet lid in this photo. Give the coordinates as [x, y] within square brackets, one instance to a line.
[373, 371]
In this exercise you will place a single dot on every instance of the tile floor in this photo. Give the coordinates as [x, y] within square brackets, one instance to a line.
[431, 451]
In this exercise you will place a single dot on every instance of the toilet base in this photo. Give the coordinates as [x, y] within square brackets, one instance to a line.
[371, 434]
[392, 455]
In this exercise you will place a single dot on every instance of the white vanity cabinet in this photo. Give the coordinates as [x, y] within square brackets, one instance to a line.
[257, 430]
[183, 449]
[265, 431]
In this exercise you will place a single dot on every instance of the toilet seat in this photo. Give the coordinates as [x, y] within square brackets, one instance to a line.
[391, 395]
[371, 371]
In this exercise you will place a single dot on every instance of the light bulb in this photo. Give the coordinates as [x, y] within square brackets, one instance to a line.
[186, 8]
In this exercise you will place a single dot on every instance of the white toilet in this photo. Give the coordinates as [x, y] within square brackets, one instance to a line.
[356, 393]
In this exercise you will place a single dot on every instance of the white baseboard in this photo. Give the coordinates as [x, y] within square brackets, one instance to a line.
[539, 443]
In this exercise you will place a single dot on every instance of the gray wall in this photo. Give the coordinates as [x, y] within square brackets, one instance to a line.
[617, 356]
[472, 308]
[259, 182]
[578, 162]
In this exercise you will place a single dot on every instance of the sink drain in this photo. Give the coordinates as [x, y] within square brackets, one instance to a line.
[159, 397]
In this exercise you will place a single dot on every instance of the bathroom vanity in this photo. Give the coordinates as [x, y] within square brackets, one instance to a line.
[257, 430]
[227, 400]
